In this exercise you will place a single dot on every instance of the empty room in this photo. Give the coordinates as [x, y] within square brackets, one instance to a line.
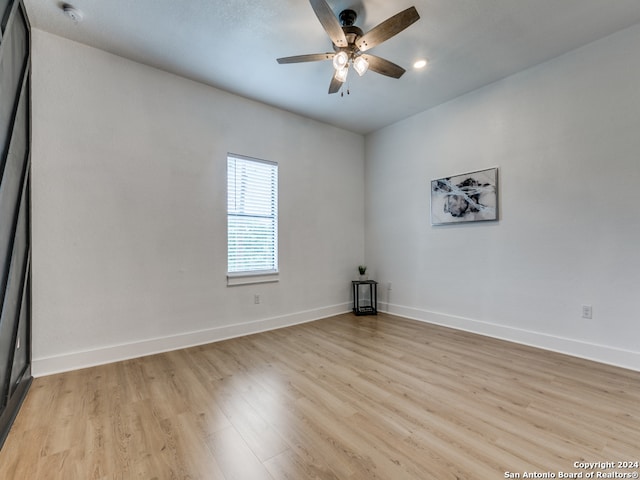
[319, 239]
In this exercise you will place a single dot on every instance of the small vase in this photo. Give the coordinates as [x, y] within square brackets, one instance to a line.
[364, 277]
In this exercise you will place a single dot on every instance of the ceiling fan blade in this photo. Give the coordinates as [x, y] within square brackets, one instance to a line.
[384, 67]
[387, 29]
[329, 22]
[312, 57]
[335, 85]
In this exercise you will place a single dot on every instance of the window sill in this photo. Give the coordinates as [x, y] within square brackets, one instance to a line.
[250, 278]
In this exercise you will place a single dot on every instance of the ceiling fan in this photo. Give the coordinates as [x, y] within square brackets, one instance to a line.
[350, 43]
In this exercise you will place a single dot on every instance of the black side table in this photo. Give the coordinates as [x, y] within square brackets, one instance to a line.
[365, 297]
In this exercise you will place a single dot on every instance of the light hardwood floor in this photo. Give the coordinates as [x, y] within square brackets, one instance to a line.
[342, 398]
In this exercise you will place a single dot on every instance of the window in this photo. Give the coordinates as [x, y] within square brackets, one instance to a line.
[252, 219]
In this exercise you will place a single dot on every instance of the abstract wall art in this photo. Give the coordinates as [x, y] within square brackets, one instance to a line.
[469, 197]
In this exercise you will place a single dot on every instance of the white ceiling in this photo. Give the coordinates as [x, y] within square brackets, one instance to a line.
[233, 45]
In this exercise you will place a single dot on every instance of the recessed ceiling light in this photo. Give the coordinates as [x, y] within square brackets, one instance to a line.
[420, 64]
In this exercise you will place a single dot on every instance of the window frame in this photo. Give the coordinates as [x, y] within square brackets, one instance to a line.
[246, 277]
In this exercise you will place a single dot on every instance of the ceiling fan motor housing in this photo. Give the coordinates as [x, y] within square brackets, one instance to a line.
[352, 33]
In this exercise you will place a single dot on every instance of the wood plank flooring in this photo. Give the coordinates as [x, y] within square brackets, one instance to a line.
[344, 398]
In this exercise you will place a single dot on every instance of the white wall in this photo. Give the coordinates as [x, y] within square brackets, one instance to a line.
[128, 168]
[566, 136]
[129, 219]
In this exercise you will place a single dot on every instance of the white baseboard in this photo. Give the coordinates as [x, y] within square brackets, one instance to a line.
[77, 360]
[590, 351]
[114, 353]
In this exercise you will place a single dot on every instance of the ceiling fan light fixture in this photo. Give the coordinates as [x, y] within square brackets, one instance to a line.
[341, 74]
[340, 60]
[361, 65]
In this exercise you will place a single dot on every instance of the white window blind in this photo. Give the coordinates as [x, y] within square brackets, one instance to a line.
[252, 216]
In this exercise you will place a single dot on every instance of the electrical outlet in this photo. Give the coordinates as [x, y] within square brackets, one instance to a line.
[587, 311]
[256, 299]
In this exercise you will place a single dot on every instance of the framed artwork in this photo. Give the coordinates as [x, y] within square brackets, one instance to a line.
[469, 197]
